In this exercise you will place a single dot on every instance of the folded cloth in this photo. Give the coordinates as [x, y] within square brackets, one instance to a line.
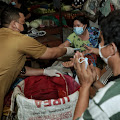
[45, 87]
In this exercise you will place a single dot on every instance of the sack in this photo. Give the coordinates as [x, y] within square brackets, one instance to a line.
[52, 109]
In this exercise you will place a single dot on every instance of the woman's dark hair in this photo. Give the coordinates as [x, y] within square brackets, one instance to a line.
[8, 14]
[21, 1]
[82, 19]
[110, 27]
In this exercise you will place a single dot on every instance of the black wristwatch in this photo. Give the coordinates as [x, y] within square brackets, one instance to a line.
[23, 71]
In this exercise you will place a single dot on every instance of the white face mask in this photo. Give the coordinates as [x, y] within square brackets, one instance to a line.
[78, 30]
[100, 53]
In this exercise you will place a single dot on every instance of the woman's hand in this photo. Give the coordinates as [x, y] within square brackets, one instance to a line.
[91, 50]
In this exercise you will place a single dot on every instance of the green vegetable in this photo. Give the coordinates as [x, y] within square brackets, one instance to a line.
[34, 24]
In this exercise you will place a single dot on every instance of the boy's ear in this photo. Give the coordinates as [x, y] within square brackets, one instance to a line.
[13, 24]
[113, 48]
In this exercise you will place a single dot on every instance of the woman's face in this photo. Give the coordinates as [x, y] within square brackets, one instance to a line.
[77, 23]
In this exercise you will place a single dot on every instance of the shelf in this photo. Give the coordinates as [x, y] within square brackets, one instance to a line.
[51, 30]
[49, 40]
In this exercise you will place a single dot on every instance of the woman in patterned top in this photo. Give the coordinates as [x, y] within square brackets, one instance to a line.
[82, 35]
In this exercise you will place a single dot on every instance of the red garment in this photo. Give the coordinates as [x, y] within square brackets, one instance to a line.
[92, 58]
[112, 7]
[73, 86]
[7, 99]
[45, 87]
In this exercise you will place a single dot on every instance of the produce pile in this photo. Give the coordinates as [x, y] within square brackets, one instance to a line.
[35, 23]
[44, 8]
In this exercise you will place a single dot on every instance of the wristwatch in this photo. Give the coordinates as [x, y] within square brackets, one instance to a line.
[23, 71]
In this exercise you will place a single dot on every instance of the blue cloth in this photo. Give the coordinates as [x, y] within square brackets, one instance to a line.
[93, 36]
[15, 83]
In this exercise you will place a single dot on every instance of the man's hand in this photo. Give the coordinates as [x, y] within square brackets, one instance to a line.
[51, 72]
[86, 76]
[70, 50]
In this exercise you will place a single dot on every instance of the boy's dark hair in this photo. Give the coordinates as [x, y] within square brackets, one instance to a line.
[110, 27]
[82, 19]
[8, 14]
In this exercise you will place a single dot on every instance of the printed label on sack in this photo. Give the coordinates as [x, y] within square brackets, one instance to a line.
[52, 102]
[59, 116]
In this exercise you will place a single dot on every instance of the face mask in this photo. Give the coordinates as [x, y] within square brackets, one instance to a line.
[100, 53]
[13, 3]
[78, 30]
[25, 31]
